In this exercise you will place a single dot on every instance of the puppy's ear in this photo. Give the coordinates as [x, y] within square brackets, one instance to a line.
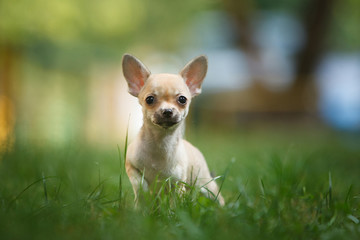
[194, 73]
[135, 73]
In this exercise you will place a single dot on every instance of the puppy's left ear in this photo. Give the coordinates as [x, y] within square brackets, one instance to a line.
[194, 73]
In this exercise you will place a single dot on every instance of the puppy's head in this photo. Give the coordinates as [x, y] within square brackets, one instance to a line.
[165, 98]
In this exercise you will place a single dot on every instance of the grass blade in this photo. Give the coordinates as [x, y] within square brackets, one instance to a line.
[25, 189]
[45, 189]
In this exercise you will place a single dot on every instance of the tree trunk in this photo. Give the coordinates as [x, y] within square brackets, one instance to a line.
[316, 20]
[7, 111]
[301, 96]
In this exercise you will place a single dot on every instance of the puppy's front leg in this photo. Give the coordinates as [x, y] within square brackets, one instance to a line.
[211, 190]
[136, 180]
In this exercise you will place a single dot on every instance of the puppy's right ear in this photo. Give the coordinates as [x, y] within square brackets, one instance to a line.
[135, 73]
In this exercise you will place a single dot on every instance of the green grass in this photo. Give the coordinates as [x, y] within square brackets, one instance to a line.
[278, 184]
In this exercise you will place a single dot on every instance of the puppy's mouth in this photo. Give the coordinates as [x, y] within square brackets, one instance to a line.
[166, 123]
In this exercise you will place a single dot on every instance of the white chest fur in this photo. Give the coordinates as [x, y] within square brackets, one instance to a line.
[157, 160]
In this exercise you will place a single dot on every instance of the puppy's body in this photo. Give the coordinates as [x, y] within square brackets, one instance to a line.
[159, 150]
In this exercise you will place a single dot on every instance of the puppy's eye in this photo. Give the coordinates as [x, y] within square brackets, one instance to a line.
[182, 100]
[150, 100]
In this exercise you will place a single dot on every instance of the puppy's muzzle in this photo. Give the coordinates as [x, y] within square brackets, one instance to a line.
[166, 118]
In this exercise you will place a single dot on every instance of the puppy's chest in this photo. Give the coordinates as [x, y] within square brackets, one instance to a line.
[161, 168]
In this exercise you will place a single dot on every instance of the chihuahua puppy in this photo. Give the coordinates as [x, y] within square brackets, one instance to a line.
[159, 150]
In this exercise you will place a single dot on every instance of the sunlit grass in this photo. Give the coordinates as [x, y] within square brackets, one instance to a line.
[277, 185]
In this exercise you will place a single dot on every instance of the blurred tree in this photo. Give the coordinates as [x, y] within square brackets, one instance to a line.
[28, 24]
[6, 106]
[77, 30]
[320, 18]
[71, 34]
[316, 20]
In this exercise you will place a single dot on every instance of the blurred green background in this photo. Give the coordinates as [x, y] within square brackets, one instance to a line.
[279, 116]
[61, 80]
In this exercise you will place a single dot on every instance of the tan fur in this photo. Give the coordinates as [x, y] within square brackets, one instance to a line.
[159, 150]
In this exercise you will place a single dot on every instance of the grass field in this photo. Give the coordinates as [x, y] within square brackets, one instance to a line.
[279, 183]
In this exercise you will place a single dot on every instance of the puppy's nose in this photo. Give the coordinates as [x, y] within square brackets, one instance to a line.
[167, 112]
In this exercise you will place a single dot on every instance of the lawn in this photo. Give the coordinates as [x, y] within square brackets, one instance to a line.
[294, 182]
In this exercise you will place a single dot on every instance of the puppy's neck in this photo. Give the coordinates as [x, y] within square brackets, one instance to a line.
[162, 141]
